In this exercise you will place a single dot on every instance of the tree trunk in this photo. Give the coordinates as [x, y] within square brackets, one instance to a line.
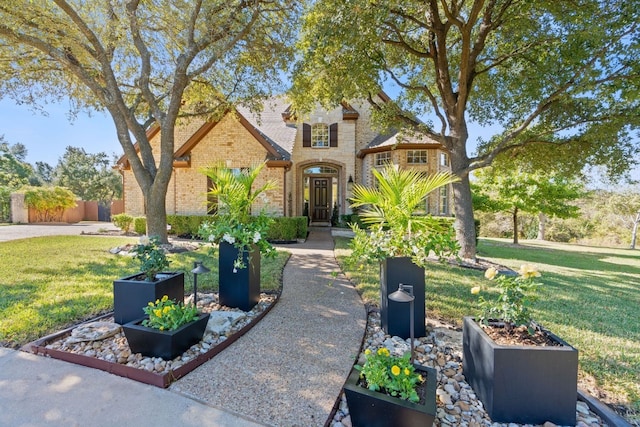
[157, 213]
[515, 226]
[635, 231]
[542, 223]
[464, 224]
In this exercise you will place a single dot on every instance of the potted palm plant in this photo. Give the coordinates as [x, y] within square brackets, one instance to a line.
[532, 377]
[131, 293]
[401, 238]
[169, 329]
[240, 235]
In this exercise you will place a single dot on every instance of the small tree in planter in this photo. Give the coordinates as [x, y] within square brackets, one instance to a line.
[132, 293]
[400, 238]
[528, 384]
[240, 235]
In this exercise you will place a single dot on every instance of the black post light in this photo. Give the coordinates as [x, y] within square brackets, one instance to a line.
[405, 294]
[198, 268]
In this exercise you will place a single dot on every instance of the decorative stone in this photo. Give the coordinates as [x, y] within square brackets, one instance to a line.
[93, 331]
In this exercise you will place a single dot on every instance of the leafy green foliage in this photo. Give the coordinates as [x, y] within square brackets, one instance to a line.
[395, 227]
[15, 172]
[557, 81]
[234, 222]
[123, 221]
[151, 256]
[89, 176]
[167, 315]
[515, 295]
[49, 202]
[392, 375]
[140, 225]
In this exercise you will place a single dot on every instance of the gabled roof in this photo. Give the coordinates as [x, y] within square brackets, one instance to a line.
[395, 139]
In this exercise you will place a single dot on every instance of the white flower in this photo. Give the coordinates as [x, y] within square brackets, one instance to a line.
[235, 270]
[144, 240]
[212, 237]
[256, 237]
[229, 238]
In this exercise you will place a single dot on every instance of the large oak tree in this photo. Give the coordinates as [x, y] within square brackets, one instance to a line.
[558, 80]
[147, 63]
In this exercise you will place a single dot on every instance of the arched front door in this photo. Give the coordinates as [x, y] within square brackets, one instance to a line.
[321, 192]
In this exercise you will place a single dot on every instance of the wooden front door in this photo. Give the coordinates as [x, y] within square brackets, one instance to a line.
[320, 199]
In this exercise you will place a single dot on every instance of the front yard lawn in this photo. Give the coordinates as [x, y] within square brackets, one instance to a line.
[590, 298]
[49, 283]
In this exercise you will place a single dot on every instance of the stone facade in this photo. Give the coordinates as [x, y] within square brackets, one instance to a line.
[305, 172]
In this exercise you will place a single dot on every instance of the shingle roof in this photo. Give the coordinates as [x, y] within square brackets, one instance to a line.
[270, 124]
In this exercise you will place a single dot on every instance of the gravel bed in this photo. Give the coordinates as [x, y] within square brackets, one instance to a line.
[442, 349]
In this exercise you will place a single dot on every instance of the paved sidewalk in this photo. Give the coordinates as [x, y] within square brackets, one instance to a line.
[287, 371]
[290, 368]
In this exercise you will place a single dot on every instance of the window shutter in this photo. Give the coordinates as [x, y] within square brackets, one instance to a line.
[333, 135]
[306, 135]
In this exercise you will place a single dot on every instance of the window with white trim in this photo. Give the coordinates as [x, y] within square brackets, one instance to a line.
[383, 158]
[444, 159]
[417, 157]
[444, 200]
[320, 135]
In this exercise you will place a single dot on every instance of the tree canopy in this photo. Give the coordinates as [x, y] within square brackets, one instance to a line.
[558, 80]
[88, 176]
[147, 64]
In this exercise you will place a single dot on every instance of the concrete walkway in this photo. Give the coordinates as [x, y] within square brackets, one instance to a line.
[25, 231]
[287, 371]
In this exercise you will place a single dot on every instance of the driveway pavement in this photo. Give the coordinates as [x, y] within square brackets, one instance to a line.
[24, 231]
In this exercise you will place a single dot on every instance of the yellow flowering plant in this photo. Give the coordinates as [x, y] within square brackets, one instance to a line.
[515, 295]
[388, 374]
[166, 315]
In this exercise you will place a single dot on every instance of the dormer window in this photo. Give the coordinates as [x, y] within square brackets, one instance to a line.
[319, 135]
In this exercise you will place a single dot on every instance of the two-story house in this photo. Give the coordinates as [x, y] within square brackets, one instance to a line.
[314, 161]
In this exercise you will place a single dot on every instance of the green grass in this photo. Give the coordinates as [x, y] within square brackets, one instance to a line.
[590, 298]
[49, 283]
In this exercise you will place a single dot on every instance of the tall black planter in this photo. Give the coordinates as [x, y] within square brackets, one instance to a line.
[130, 295]
[395, 316]
[521, 384]
[242, 288]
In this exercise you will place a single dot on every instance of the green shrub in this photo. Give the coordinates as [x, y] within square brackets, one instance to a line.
[49, 202]
[302, 226]
[286, 229]
[122, 221]
[186, 225]
[5, 204]
[140, 225]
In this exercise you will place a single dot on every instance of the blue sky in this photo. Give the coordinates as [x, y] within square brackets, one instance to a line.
[46, 137]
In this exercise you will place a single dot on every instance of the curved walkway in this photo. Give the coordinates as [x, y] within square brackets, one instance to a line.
[286, 371]
[289, 369]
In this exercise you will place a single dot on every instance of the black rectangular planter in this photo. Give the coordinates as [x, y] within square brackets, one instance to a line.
[130, 296]
[239, 289]
[374, 409]
[521, 384]
[394, 316]
[165, 344]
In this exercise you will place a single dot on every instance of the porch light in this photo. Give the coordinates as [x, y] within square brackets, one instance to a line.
[405, 294]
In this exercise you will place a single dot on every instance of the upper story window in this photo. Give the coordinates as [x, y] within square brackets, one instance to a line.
[444, 159]
[383, 158]
[319, 135]
[417, 157]
[444, 201]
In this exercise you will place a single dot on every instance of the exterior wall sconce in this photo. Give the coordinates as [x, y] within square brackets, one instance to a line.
[405, 294]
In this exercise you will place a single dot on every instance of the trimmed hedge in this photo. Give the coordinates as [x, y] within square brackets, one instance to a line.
[140, 225]
[186, 225]
[287, 229]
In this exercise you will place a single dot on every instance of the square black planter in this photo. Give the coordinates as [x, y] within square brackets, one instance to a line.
[374, 409]
[394, 316]
[130, 295]
[521, 384]
[239, 289]
[165, 344]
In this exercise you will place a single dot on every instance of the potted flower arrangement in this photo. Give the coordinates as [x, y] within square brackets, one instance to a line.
[131, 293]
[169, 329]
[240, 235]
[400, 238]
[528, 384]
[391, 391]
